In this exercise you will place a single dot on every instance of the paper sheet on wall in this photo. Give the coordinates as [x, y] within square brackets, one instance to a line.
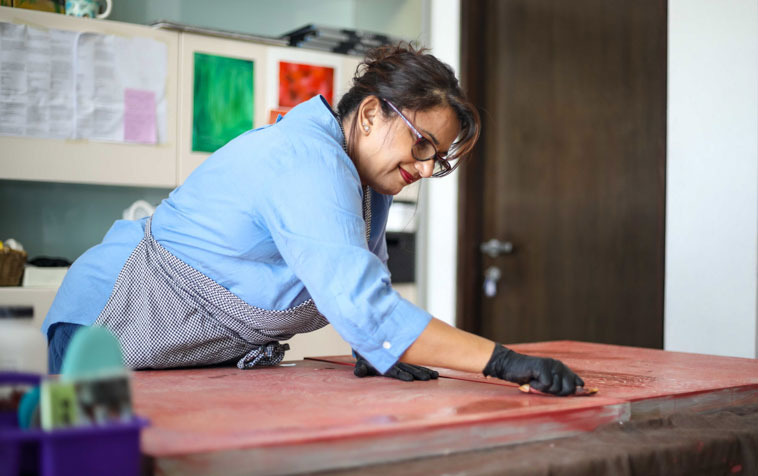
[63, 84]
[36, 82]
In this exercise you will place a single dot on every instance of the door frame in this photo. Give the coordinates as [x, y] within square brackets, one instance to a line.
[470, 180]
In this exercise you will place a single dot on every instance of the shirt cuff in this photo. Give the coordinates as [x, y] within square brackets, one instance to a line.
[399, 330]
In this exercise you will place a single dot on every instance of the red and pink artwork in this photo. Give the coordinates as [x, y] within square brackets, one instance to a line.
[299, 82]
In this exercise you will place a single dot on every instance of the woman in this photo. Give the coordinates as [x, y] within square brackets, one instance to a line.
[281, 231]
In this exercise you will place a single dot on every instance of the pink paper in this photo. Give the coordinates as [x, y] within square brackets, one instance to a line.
[139, 116]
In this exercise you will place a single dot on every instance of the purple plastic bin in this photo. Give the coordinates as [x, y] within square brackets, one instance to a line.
[112, 449]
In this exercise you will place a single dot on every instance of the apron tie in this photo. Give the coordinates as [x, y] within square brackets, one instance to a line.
[265, 355]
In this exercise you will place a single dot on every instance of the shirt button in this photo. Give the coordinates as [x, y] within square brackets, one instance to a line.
[386, 344]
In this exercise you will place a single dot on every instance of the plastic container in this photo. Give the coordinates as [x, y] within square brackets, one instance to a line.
[112, 449]
[23, 348]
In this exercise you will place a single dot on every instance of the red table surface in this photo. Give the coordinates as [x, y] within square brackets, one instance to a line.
[218, 408]
[314, 414]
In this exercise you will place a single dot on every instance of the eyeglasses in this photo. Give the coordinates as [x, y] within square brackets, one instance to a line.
[423, 149]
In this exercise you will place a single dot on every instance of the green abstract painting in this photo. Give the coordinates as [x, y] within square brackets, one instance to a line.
[223, 101]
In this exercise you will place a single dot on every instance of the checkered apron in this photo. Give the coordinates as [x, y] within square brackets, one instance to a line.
[167, 314]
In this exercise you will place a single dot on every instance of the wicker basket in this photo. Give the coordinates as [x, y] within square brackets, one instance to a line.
[11, 266]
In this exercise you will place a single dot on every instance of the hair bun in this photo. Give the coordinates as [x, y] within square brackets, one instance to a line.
[385, 52]
[390, 57]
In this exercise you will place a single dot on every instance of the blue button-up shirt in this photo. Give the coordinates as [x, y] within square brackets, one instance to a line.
[275, 217]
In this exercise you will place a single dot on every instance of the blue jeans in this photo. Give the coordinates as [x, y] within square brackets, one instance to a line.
[59, 335]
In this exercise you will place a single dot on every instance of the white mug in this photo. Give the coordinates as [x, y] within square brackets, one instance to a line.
[88, 8]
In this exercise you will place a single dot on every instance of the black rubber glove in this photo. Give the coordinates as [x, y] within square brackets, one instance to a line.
[543, 374]
[400, 371]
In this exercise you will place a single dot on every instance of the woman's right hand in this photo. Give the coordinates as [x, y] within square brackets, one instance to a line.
[399, 371]
[543, 374]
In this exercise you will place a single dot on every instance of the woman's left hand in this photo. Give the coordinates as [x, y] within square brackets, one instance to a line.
[400, 371]
[544, 374]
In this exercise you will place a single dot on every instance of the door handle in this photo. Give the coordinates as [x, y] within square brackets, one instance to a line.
[491, 277]
[495, 248]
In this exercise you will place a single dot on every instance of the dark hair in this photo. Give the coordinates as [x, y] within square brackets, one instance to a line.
[412, 79]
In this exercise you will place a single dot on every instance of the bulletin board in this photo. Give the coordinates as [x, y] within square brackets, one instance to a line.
[81, 85]
[88, 101]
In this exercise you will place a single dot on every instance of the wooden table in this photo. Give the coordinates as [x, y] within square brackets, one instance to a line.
[315, 415]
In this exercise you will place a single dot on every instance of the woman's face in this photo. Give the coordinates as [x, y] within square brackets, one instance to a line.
[383, 145]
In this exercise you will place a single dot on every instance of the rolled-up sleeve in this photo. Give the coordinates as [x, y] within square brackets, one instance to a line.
[315, 219]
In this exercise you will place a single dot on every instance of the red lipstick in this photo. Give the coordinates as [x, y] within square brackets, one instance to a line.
[406, 176]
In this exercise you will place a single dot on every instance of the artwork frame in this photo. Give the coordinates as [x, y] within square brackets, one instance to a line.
[223, 100]
[308, 58]
[299, 82]
[192, 44]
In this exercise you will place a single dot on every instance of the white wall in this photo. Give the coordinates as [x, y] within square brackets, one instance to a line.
[438, 227]
[712, 177]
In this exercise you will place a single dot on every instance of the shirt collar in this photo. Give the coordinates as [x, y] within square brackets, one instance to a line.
[317, 110]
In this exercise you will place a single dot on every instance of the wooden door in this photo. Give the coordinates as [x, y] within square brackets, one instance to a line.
[570, 169]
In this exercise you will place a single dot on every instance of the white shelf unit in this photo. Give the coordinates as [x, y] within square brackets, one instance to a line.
[163, 165]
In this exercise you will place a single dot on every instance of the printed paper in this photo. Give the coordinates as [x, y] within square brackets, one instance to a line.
[72, 85]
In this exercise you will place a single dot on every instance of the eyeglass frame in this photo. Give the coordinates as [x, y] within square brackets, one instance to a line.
[420, 138]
